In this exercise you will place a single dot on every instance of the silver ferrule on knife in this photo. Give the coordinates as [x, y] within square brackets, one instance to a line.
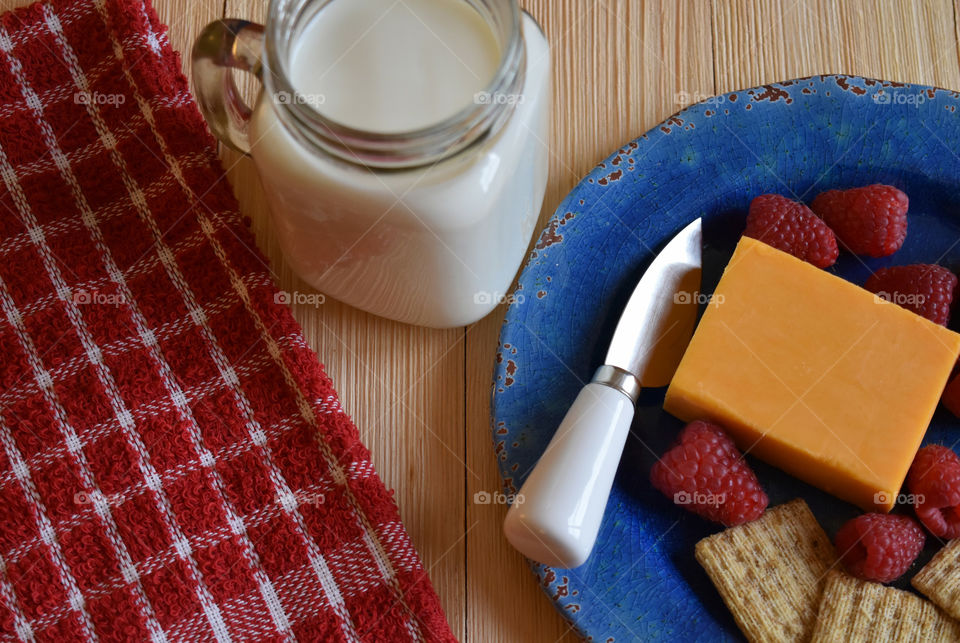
[619, 379]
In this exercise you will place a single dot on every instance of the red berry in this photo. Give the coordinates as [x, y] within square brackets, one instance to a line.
[951, 396]
[871, 220]
[879, 547]
[922, 288]
[792, 227]
[934, 480]
[705, 473]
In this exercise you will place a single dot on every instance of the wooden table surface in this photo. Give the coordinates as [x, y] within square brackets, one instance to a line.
[420, 397]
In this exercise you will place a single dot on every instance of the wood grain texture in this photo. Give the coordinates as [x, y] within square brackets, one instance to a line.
[421, 398]
[760, 41]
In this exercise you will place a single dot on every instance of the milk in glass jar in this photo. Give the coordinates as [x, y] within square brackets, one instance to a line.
[402, 145]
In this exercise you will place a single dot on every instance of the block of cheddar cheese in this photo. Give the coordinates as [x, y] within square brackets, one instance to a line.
[814, 374]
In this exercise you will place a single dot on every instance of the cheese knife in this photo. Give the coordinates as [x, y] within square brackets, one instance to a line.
[555, 517]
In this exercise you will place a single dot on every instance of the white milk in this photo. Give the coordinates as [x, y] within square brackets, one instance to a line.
[398, 65]
[436, 246]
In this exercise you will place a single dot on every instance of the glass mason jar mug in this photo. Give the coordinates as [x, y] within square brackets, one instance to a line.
[401, 145]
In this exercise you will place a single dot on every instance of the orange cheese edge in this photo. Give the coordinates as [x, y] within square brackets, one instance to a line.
[814, 374]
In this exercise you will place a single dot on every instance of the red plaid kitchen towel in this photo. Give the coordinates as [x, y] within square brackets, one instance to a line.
[174, 463]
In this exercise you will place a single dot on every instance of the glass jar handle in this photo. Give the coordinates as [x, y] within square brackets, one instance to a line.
[222, 46]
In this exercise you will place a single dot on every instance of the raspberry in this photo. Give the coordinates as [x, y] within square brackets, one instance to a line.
[951, 396]
[934, 480]
[871, 220]
[705, 473]
[879, 547]
[922, 288]
[792, 227]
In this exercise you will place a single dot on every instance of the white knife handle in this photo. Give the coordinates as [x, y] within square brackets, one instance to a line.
[556, 516]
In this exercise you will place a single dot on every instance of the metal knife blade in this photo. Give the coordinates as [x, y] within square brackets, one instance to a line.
[658, 321]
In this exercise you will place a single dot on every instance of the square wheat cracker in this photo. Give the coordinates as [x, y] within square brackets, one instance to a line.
[939, 580]
[770, 572]
[854, 611]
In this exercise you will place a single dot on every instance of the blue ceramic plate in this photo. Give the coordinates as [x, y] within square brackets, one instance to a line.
[797, 138]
